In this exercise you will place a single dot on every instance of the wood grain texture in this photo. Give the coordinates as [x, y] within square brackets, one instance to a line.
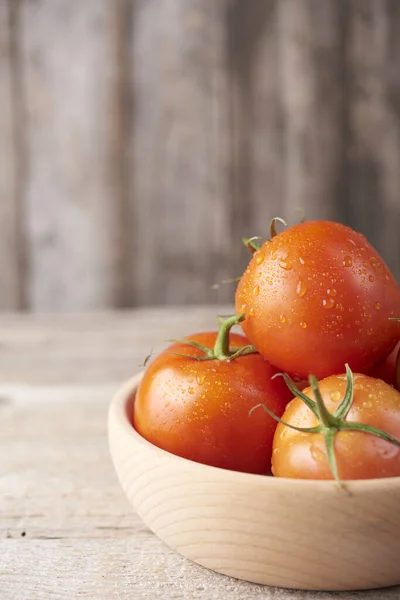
[310, 42]
[374, 123]
[57, 483]
[71, 187]
[141, 140]
[98, 347]
[256, 120]
[10, 278]
[179, 152]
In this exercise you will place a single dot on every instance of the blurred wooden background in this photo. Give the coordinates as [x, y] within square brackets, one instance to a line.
[140, 139]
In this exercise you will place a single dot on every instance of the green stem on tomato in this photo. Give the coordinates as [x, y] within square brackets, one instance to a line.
[272, 226]
[222, 349]
[253, 244]
[329, 424]
[325, 417]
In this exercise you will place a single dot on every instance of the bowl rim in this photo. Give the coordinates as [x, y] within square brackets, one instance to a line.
[117, 410]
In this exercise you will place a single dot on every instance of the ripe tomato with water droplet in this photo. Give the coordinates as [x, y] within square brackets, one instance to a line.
[200, 410]
[344, 280]
[359, 455]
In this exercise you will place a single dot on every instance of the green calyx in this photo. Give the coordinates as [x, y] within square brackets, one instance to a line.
[272, 226]
[222, 349]
[330, 424]
[254, 243]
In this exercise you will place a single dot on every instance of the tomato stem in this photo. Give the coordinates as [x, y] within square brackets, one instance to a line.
[221, 348]
[325, 417]
[330, 424]
[272, 226]
[253, 244]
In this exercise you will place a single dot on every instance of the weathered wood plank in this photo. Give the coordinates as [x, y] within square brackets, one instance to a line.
[140, 140]
[72, 188]
[257, 127]
[180, 223]
[374, 123]
[310, 40]
[10, 275]
[92, 348]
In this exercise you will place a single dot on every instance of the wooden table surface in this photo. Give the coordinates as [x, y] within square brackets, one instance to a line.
[66, 529]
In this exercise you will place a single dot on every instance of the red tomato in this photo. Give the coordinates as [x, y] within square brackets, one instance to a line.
[387, 369]
[317, 296]
[200, 409]
[358, 455]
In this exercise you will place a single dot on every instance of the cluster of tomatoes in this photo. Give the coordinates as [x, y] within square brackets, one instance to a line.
[311, 390]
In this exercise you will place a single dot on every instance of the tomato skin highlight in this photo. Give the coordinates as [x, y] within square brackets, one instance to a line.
[199, 410]
[359, 455]
[317, 296]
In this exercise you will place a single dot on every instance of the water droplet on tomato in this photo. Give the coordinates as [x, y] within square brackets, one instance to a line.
[377, 306]
[282, 318]
[256, 290]
[371, 278]
[332, 292]
[328, 303]
[316, 453]
[243, 307]
[301, 289]
[390, 451]
[303, 325]
[347, 261]
[302, 261]
[259, 258]
[352, 242]
[285, 264]
[191, 390]
[251, 311]
[284, 433]
[335, 395]
[200, 379]
[370, 331]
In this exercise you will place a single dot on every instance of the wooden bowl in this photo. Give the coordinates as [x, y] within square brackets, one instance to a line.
[291, 533]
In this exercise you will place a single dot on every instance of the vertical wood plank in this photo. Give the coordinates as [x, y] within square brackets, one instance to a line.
[374, 123]
[180, 212]
[310, 34]
[256, 120]
[9, 239]
[72, 186]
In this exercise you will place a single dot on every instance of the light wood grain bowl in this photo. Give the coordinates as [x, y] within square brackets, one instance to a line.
[281, 532]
